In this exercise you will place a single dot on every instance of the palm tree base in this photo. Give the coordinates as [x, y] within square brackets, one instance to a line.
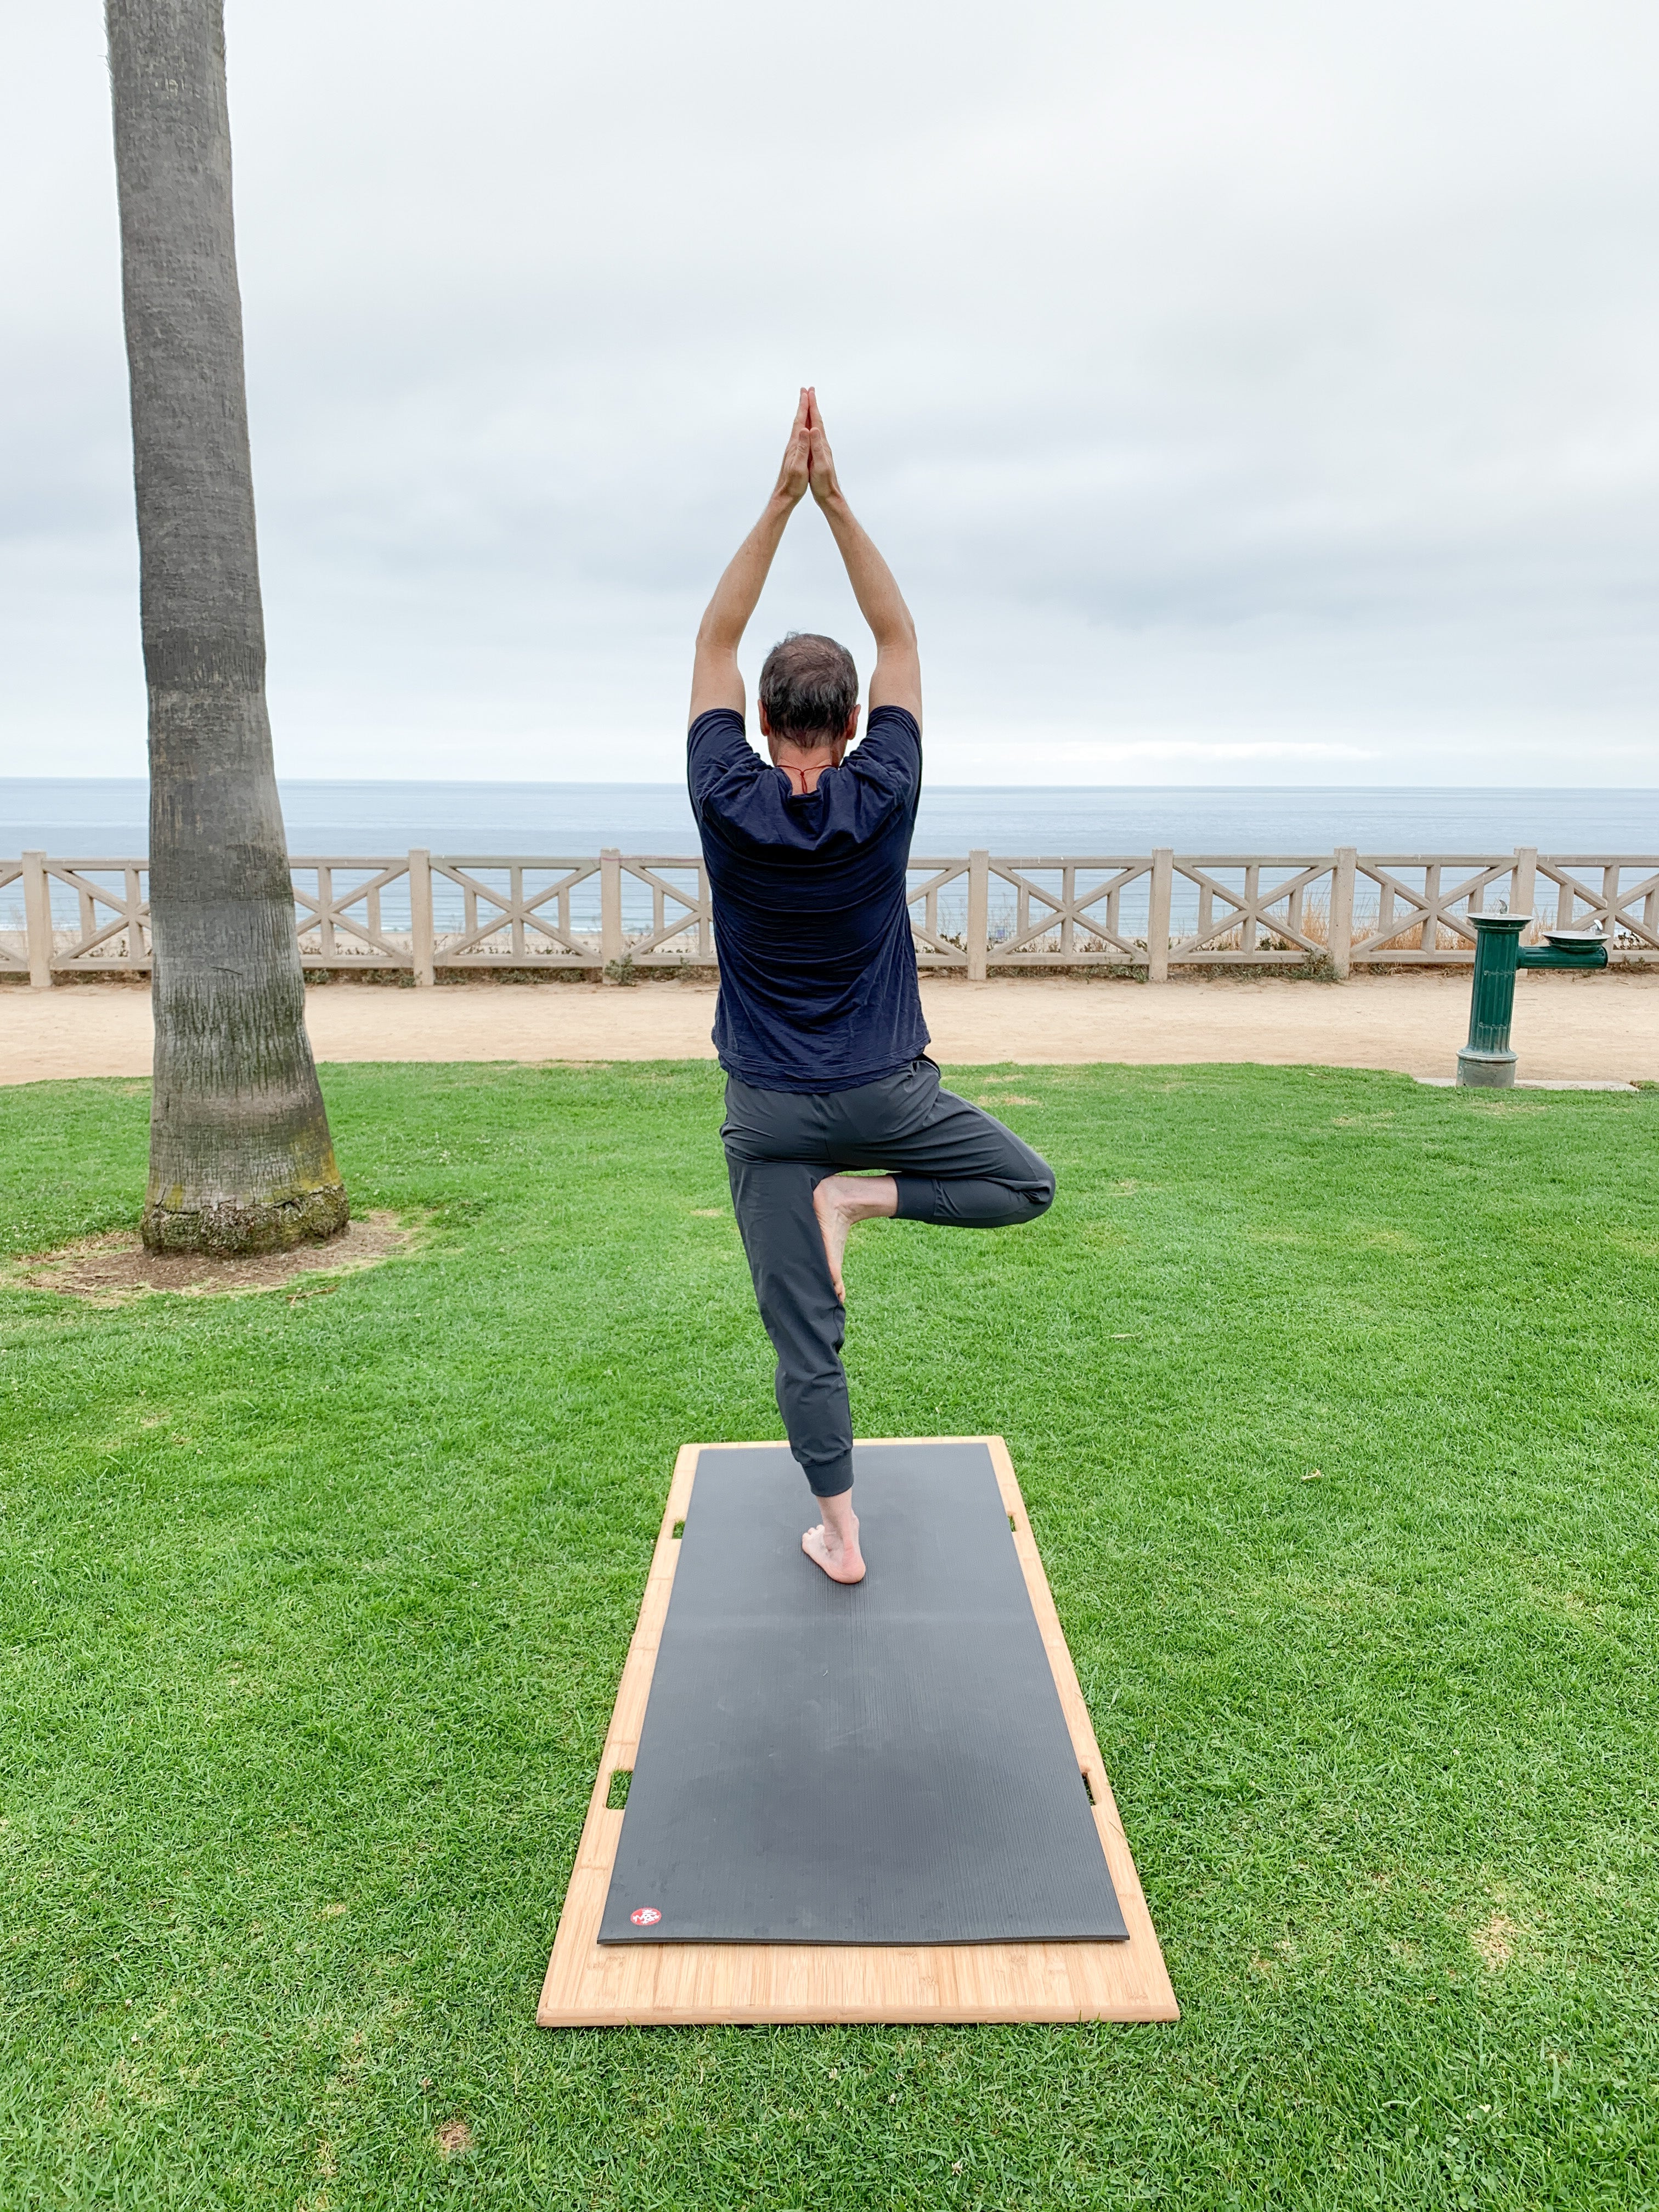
[225, 1227]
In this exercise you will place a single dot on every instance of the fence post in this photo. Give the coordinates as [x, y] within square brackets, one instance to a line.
[705, 918]
[137, 951]
[1339, 935]
[421, 942]
[611, 919]
[979, 915]
[37, 918]
[1157, 915]
[1523, 881]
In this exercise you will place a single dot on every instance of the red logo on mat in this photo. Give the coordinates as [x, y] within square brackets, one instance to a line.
[646, 1917]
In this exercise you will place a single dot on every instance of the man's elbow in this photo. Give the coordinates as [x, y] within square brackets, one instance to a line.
[716, 649]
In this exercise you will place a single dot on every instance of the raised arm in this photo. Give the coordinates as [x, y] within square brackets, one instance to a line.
[716, 679]
[895, 680]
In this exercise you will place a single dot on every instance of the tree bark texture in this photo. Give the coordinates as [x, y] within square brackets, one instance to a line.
[240, 1156]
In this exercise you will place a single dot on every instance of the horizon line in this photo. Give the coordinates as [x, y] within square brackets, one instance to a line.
[608, 783]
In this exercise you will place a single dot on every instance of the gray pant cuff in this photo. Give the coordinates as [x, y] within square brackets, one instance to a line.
[830, 1477]
[918, 1200]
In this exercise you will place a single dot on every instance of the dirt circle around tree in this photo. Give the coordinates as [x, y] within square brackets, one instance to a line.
[111, 1269]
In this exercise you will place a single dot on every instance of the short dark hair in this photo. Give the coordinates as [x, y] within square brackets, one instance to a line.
[808, 686]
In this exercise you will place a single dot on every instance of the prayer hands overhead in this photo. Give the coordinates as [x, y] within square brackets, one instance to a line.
[807, 459]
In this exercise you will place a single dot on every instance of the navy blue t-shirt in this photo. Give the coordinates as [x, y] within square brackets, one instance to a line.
[817, 966]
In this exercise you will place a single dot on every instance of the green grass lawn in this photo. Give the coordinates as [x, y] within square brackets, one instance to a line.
[315, 1602]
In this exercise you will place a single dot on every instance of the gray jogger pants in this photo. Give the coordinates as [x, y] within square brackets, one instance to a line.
[954, 1165]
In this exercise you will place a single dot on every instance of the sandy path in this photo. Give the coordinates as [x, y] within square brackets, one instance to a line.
[1592, 1027]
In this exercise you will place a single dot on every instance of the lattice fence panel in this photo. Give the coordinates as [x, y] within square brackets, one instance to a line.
[938, 896]
[681, 930]
[105, 906]
[526, 912]
[1618, 897]
[14, 917]
[1265, 913]
[352, 913]
[1412, 910]
[1069, 912]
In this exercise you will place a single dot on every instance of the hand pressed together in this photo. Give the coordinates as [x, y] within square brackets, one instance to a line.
[822, 467]
[795, 472]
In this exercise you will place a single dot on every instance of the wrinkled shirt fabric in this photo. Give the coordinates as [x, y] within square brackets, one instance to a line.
[817, 988]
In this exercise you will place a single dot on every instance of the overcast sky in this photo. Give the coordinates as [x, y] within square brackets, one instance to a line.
[1241, 394]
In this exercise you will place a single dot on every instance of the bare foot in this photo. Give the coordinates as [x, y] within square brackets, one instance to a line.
[838, 1555]
[840, 1200]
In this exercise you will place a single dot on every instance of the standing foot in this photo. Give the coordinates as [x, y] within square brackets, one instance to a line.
[840, 1200]
[839, 1556]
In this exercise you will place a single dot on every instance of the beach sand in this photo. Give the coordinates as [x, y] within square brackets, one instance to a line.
[1567, 1028]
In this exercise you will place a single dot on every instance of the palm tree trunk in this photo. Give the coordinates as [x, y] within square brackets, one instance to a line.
[240, 1156]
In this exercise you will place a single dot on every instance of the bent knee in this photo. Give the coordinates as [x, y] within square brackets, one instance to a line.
[1039, 1187]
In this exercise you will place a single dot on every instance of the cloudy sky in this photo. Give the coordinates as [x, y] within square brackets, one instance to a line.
[1242, 394]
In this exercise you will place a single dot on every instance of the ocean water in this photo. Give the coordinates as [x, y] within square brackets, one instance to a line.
[90, 818]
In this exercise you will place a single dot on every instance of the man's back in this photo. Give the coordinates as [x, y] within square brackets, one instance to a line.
[818, 967]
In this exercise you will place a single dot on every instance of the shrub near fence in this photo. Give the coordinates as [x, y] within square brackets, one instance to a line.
[1330, 913]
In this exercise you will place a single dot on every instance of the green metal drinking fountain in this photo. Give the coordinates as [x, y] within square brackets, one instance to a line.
[1486, 1061]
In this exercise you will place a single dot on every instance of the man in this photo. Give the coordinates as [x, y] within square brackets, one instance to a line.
[818, 1025]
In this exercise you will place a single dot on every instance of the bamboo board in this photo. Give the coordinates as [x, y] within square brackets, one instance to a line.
[684, 1985]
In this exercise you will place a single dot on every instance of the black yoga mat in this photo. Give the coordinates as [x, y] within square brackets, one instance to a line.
[887, 1764]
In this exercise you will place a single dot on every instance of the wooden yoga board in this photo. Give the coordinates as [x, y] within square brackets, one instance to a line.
[671, 1985]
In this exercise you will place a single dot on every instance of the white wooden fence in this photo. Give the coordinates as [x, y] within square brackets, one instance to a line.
[1151, 912]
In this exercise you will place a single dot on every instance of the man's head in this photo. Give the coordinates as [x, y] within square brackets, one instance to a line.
[808, 699]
